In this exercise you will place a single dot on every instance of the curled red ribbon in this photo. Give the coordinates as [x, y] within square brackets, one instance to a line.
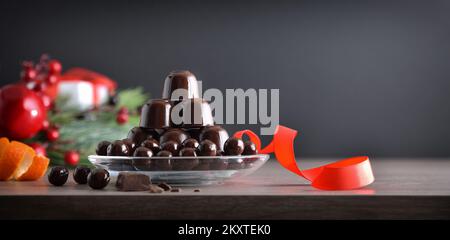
[349, 173]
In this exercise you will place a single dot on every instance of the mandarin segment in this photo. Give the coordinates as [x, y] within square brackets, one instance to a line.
[36, 170]
[16, 159]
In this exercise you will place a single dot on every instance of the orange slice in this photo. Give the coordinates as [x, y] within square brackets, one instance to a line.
[15, 161]
[4, 142]
[36, 170]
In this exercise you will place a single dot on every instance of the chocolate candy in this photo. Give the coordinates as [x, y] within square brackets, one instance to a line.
[151, 144]
[173, 134]
[236, 164]
[155, 114]
[190, 143]
[118, 148]
[140, 134]
[249, 148]
[98, 178]
[130, 144]
[58, 175]
[165, 186]
[218, 164]
[132, 182]
[207, 148]
[216, 134]
[196, 113]
[163, 164]
[188, 163]
[142, 152]
[80, 174]
[233, 147]
[171, 146]
[184, 80]
[194, 132]
[102, 148]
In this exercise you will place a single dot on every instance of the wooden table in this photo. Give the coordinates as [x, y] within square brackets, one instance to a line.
[403, 189]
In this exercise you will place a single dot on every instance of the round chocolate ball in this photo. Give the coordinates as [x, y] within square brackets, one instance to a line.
[151, 144]
[80, 174]
[218, 164]
[188, 163]
[142, 152]
[58, 175]
[171, 146]
[130, 144]
[102, 148]
[98, 178]
[190, 143]
[234, 146]
[249, 148]
[207, 148]
[194, 132]
[174, 134]
[163, 164]
[188, 152]
[216, 134]
[118, 148]
[140, 134]
[236, 164]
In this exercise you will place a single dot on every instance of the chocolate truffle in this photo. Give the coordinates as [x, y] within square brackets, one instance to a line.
[194, 132]
[236, 164]
[140, 134]
[58, 175]
[80, 174]
[98, 178]
[216, 134]
[249, 148]
[132, 182]
[142, 152]
[218, 164]
[118, 148]
[185, 164]
[184, 80]
[207, 148]
[196, 113]
[102, 148]
[163, 164]
[151, 144]
[171, 146]
[190, 143]
[130, 144]
[174, 134]
[155, 114]
[234, 146]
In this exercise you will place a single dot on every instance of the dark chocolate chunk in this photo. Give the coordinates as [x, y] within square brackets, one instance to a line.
[155, 114]
[133, 182]
[165, 186]
[175, 190]
[155, 189]
[196, 190]
[118, 148]
[234, 146]
[216, 134]
[102, 148]
[182, 79]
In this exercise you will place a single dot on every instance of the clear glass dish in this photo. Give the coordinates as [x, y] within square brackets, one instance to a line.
[183, 170]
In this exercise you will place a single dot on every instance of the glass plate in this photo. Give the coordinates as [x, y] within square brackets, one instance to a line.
[183, 170]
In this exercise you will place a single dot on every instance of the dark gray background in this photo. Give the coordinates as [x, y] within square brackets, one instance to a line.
[355, 77]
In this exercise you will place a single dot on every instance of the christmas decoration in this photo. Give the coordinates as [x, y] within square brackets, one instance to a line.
[38, 148]
[71, 158]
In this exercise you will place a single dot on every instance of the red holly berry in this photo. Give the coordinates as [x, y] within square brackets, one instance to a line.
[51, 79]
[45, 124]
[122, 118]
[52, 134]
[72, 158]
[54, 67]
[28, 74]
[123, 110]
[46, 100]
[39, 86]
[38, 148]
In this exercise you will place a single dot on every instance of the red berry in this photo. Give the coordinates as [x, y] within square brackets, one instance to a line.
[122, 118]
[46, 100]
[71, 158]
[28, 74]
[39, 86]
[38, 148]
[52, 134]
[123, 110]
[52, 79]
[54, 66]
[45, 124]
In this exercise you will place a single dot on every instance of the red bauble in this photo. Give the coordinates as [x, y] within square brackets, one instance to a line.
[71, 158]
[52, 134]
[21, 112]
[38, 148]
[51, 79]
[54, 67]
[122, 118]
[28, 74]
[45, 124]
[46, 100]
[123, 110]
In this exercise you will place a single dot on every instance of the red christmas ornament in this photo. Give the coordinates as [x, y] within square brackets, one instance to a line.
[45, 124]
[122, 118]
[123, 110]
[38, 148]
[21, 112]
[46, 100]
[52, 79]
[52, 134]
[54, 67]
[28, 74]
[71, 158]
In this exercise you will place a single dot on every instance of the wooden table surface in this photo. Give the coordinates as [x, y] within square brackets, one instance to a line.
[403, 189]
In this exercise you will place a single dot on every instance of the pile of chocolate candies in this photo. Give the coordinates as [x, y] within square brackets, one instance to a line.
[157, 135]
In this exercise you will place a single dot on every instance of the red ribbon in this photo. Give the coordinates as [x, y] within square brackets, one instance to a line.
[350, 173]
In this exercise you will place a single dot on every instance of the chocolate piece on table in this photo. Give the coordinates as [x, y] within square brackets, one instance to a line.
[118, 148]
[216, 134]
[98, 178]
[234, 146]
[140, 134]
[58, 175]
[196, 190]
[155, 189]
[102, 148]
[80, 174]
[175, 190]
[133, 182]
[184, 80]
[196, 112]
[151, 144]
[249, 148]
[163, 164]
[155, 114]
[207, 148]
[190, 143]
[165, 186]
[173, 134]
[188, 163]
